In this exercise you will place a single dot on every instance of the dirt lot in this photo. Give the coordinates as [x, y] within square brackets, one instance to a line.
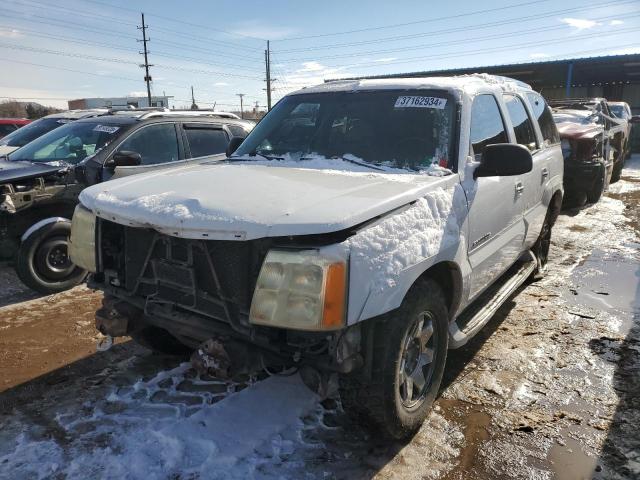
[550, 389]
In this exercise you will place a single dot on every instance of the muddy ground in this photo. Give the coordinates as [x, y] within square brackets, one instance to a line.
[550, 388]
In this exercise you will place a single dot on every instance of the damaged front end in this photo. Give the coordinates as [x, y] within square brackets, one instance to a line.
[227, 299]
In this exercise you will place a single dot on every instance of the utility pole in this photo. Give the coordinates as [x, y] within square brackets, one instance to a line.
[147, 77]
[241, 111]
[267, 63]
[194, 106]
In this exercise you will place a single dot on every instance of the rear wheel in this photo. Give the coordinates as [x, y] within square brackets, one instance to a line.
[43, 263]
[409, 355]
[541, 248]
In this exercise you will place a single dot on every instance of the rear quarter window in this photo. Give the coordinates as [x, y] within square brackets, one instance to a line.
[206, 141]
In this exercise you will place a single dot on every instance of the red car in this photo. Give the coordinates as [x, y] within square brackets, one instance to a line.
[8, 125]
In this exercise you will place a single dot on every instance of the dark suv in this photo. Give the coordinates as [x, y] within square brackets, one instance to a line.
[40, 182]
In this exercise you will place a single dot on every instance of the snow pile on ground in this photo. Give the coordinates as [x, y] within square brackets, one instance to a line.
[379, 254]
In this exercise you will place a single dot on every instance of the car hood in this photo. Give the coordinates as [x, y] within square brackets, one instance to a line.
[218, 200]
[576, 131]
[13, 171]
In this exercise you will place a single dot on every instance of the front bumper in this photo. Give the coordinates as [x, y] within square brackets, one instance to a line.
[580, 177]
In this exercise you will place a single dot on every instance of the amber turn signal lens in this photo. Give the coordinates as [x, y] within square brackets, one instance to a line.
[334, 296]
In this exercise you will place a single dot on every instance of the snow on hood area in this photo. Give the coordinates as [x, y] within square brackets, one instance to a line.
[255, 199]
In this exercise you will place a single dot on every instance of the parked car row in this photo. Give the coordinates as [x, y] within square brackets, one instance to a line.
[595, 144]
[40, 181]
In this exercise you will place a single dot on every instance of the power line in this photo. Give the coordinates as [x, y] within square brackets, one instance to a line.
[69, 70]
[416, 22]
[450, 42]
[476, 26]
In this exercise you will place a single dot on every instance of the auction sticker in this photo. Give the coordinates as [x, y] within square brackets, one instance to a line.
[105, 128]
[420, 102]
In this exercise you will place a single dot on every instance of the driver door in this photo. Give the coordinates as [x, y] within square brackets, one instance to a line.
[496, 225]
[158, 144]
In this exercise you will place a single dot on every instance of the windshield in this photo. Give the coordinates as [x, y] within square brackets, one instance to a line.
[582, 117]
[70, 143]
[410, 130]
[30, 132]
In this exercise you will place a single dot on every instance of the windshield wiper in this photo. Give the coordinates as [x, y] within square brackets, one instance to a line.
[355, 162]
[253, 154]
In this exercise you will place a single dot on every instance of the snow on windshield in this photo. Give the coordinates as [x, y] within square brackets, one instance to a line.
[410, 130]
[583, 117]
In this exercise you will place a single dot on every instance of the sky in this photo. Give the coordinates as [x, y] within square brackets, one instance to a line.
[52, 51]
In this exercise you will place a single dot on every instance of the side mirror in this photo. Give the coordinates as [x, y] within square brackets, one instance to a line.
[124, 158]
[635, 119]
[233, 145]
[504, 159]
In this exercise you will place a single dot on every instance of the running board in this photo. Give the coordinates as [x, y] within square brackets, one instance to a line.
[487, 304]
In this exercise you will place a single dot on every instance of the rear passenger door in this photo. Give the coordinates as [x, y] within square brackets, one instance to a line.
[545, 164]
[203, 139]
[533, 182]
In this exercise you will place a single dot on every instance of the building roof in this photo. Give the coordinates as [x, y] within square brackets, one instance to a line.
[601, 70]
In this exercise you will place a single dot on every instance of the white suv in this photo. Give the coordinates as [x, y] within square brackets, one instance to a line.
[362, 229]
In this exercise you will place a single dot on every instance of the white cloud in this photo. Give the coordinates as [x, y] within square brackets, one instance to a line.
[616, 22]
[220, 84]
[538, 55]
[311, 73]
[580, 23]
[385, 59]
[137, 93]
[312, 67]
[10, 33]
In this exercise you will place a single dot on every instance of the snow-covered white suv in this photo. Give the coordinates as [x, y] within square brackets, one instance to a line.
[363, 228]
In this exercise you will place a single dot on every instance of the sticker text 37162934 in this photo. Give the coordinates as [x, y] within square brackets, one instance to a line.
[420, 102]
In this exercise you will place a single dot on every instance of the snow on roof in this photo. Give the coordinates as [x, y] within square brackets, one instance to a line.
[469, 83]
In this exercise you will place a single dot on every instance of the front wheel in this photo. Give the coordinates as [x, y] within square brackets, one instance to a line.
[594, 194]
[43, 263]
[408, 359]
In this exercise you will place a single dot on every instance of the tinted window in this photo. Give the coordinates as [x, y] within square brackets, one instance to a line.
[237, 131]
[6, 129]
[525, 135]
[545, 119]
[487, 126]
[407, 129]
[155, 143]
[32, 131]
[206, 141]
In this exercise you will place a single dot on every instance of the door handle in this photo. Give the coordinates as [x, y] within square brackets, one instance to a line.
[519, 188]
[545, 172]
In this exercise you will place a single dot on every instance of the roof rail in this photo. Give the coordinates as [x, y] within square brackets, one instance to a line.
[190, 113]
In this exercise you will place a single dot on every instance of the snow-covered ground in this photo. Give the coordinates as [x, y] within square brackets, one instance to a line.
[546, 391]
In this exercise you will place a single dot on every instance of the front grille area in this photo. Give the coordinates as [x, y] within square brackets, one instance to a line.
[215, 278]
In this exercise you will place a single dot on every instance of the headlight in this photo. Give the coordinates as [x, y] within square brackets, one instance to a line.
[300, 290]
[82, 243]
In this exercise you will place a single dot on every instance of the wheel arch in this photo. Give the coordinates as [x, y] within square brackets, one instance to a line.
[555, 205]
[448, 275]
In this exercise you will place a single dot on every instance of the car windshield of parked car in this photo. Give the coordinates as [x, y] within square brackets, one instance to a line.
[582, 117]
[618, 110]
[70, 143]
[30, 132]
[410, 130]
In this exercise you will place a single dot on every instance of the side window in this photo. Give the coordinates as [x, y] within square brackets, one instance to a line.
[545, 119]
[206, 141]
[237, 131]
[155, 143]
[487, 126]
[522, 126]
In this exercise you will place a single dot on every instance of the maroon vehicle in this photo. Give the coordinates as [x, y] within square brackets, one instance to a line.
[587, 163]
[8, 125]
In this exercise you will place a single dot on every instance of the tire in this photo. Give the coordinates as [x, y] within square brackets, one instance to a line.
[158, 340]
[541, 248]
[42, 263]
[617, 171]
[597, 190]
[383, 401]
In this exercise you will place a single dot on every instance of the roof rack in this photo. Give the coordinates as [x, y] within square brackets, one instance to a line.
[152, 112]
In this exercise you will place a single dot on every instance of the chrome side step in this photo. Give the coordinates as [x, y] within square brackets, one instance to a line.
[473, 319]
